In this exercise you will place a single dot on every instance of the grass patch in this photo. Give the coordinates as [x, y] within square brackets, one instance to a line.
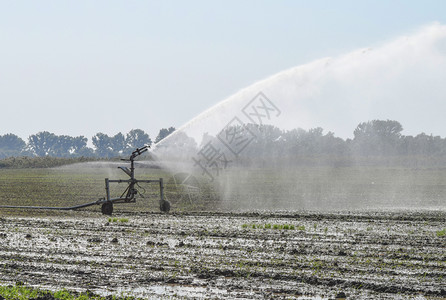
[26, 162]
[121, 220]
[21, 292]
[441, 233]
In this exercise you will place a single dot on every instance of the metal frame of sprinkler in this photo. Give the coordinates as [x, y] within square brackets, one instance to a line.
[128, 196]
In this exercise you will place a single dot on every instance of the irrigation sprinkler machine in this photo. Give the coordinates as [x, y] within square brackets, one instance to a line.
[128, 196]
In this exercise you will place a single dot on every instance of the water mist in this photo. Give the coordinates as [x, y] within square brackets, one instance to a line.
[245, 146]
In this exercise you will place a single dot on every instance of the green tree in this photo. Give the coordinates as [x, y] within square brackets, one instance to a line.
[423, 144]
[11, 145]
[118, 144]
[107, 146]
[164, 133]
[103, 145]
[67, 146]
[48, 144]
[42, 143]
[377, 137]
[180, 147]
[79, 147]
[136, 138]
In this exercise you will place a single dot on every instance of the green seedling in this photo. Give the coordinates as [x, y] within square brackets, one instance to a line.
[21, 292]
[441, 233]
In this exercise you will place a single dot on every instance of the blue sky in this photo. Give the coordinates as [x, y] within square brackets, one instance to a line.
[82, 67]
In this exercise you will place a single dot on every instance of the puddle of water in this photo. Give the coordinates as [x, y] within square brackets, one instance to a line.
[171, 290]
[190, 291]
[401, 297]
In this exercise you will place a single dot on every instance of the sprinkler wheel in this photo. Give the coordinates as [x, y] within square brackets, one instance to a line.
[165, 206]
[107, 208]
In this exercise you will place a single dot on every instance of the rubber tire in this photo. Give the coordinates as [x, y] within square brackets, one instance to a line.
[107, 208]
[165, 206]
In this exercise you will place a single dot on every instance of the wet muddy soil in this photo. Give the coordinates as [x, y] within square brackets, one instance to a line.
[302, 255]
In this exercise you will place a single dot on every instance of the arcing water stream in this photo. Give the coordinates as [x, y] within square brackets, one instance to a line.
[249, 146]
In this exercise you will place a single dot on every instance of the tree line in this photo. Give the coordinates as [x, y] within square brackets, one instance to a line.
[46, 143]
[372, 140]
[376, 142]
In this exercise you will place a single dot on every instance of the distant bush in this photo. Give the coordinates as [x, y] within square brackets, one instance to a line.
[25, 162]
